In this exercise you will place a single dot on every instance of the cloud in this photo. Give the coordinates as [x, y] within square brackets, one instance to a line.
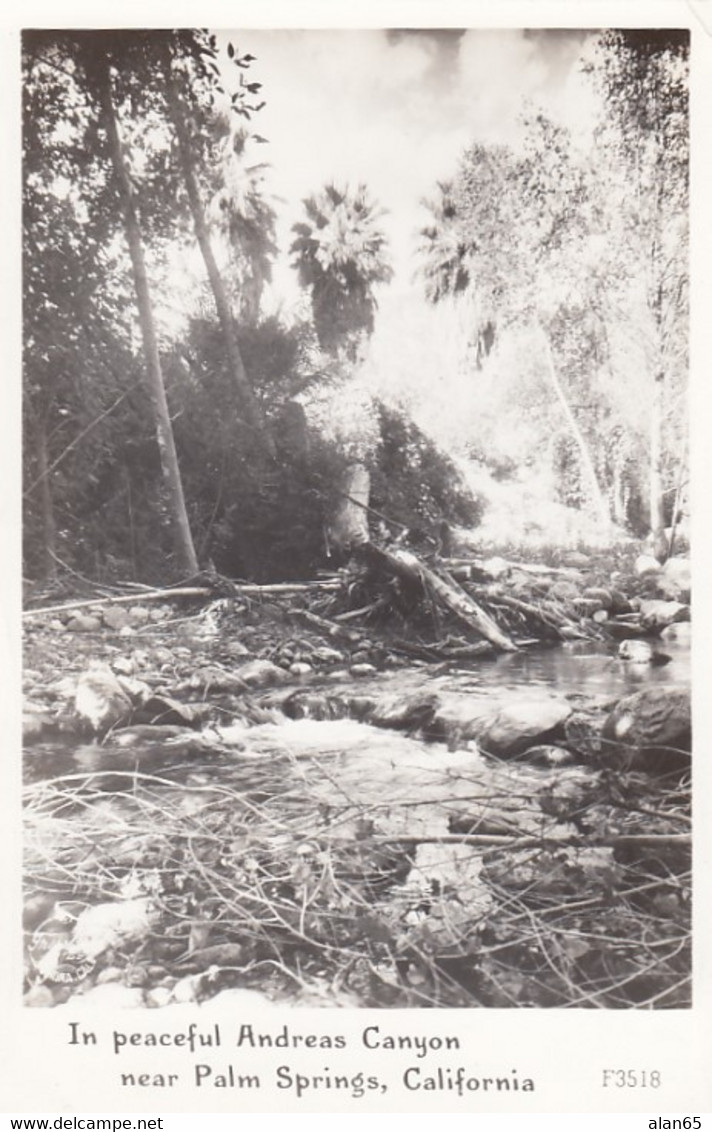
[396, 109]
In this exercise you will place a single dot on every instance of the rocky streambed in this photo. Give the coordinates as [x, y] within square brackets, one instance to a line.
[237, 797]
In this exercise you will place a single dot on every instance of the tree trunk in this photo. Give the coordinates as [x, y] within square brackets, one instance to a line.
[164, 432]
[443, 588]
[657, 508]
[348, 526]
[248, 402]
[49, 527]
[578, 437]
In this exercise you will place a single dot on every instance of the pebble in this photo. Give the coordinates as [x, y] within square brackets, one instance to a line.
[82, 623]
[300, 668]
[363, 669]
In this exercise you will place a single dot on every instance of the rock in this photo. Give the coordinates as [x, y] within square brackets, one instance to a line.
[548, 756]
[56, 626]
[116, 617]
[524, 723]
[235, 650]
[600, 595]
[363, 669]
[636, 651]
[564, 590]
[575, 559]
[83, 623]
[39, 995]
[327, 705]
[300, 668]
[675, 581]
[681, 632]
[35, 723]
[645, 564]
[160, 613]
[650, 730]
[619, 603]
[166, 711]
[260, 674]
[600, 616]
[496, 567]
[139, 615]
[210, 678]
[325, 655]
[406, 713]
[586, 606]
[656, 615]
[100, 701]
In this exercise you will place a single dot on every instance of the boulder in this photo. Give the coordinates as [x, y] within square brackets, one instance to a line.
[564, 590]
[100, 701]
[576, 559]
[260, 674]
[650, 730]
[645, 564]
[674, 582]
[548, 756]
[636, 651]
[406, 712]
[83, 623]
[680, 632]
[524, 723]
[586, 606]
[656, 615]
[602, 596]
[116, 617]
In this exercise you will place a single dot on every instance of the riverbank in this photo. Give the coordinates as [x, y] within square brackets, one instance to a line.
[302, 795]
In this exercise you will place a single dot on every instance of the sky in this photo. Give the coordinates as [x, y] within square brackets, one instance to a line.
[395, 109]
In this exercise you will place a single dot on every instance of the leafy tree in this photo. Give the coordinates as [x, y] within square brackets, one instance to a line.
[644, 143]
[187, 57]
[340, 254]
[509, 229]
[97, 61]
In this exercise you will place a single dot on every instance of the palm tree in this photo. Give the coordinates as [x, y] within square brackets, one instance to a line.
[447, 268]
[340, 254]
[246, 218]
[445, 252]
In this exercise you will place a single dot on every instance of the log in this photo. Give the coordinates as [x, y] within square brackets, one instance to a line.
[248, 589]
[348, 526]
[443, 588]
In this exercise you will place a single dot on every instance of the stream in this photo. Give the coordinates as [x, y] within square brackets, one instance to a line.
[377, 780]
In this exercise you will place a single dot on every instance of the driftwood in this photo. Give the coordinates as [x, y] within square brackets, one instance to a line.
[248, 589]
[331, 628]
[444, 589]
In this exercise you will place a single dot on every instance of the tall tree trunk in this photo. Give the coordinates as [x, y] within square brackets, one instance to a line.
[49, 527]
[248, 401]
[587, 465]
[183, 539]
[655, 480]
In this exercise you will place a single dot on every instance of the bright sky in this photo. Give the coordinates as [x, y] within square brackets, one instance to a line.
[395, 110]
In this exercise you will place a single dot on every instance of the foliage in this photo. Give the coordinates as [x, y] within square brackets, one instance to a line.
[413, 481]
[581, 254]
[340, 255]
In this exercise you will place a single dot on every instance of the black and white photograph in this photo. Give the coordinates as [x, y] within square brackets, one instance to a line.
[356, 541]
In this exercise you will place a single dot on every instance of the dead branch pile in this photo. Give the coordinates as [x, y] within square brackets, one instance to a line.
[244, 877]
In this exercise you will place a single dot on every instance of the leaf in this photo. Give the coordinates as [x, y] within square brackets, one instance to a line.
[258, 138]
[230, 51]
